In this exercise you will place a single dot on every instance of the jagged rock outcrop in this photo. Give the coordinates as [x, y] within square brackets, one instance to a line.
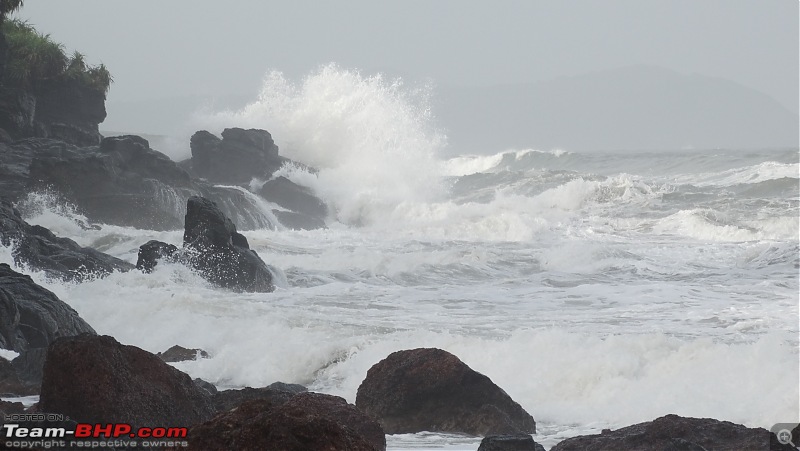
[213, 247]
[39, 248]
[31, 317]
[122, 182]
[221, 254]
[304, 422]
[95, 379]
[237, 158]
[429, 389]
[243, 155]
[675, 433]
[306, 211]
[62, 109]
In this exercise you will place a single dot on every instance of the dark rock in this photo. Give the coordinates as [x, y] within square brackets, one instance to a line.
[219, 252]
[208, 387]
[509, 443]
[95, 379]
[11, 384]
[58, 108]
[28, 366]
[226, 400]
[298, 221]
[236, 158]
[121, 182]
[14, 175]
[297, 198]
[33, 317]
[153, 251]
[59, 257]
[307, 421]
[8, 407]
[70, 111]
[675, 433]
[180, 354]
[432, 390]
[290, 388]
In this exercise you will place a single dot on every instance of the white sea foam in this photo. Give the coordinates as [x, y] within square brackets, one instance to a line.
[369, 137]
[598, 290]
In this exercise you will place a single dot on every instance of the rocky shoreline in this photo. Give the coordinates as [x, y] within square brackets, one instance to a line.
[49, 140]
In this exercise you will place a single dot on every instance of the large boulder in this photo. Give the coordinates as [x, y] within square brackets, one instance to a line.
[40, 249]
[237, 158]
[95, 379]
[306, 421]
[218, 252]
[432, 390]
[675, 433]
[31, 318]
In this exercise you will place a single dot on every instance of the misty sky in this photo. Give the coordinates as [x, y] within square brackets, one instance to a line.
[158, 49]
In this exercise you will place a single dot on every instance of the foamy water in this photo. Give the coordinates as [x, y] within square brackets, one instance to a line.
[598, 290]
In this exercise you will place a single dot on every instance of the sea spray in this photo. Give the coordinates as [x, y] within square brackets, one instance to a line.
[371, 138]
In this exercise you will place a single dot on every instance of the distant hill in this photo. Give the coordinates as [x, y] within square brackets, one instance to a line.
[637, 107]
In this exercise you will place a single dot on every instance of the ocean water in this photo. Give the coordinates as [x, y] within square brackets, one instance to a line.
[597, 289]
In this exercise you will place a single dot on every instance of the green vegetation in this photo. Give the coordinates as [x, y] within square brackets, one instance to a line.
[34, 57]
[8, 6]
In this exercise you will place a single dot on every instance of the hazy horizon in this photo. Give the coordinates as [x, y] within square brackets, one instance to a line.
[166, 57]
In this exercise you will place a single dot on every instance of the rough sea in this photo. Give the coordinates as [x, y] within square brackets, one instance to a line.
[598, 289]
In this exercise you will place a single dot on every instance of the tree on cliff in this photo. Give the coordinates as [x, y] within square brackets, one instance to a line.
[7, 7]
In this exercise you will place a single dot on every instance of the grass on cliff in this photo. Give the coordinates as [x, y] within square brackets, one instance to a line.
[34, 56]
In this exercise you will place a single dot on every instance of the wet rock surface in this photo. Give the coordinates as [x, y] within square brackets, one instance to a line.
[307, 421]
[31, 318]
[675, 433]
[95, 379]
[62, 258]
[430, 389]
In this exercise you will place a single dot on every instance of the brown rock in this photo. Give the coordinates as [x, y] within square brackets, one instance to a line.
[308, 421]
[675, 433]
[95, 379]
[432, 390]
[181, 354]
[277, 393]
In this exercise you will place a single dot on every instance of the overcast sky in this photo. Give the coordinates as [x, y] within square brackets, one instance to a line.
[157, 49]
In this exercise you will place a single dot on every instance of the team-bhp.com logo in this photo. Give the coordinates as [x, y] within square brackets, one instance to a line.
[86, 435]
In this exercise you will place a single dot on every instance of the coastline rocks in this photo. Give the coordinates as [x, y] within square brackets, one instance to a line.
[33, 317]
[153, 251]
[95, 379]
[307, 211]
[213, 247]
[221, 254]
[236, 158]
[59, 257]
[181, 354]
[63, 109]
[429, 389]
[121, 182]
[276, 393]
[675, 433]
[306, 421]
[509, 443]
